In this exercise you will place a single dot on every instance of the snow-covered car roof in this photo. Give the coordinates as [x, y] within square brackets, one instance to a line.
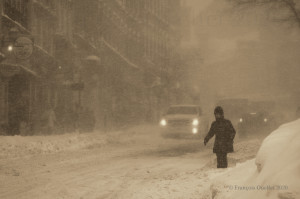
[185, 105]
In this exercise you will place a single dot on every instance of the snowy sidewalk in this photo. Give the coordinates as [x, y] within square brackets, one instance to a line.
[273, 174]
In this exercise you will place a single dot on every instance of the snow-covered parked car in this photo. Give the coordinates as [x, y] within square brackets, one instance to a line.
[183, 121]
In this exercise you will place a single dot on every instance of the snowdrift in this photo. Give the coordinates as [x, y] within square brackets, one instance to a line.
[17, 146]
[273, 174]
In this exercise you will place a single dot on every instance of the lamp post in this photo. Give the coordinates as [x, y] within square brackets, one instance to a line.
[16, 49]
[96, 79]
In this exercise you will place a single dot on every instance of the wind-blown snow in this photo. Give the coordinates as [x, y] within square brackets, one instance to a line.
[143, 136]
[15, 146]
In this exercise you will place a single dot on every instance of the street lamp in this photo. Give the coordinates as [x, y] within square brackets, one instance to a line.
[10, 48]
[21, 45]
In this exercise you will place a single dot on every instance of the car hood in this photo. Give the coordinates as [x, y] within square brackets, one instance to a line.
[179, 116]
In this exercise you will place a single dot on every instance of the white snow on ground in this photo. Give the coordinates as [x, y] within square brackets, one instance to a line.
[146, 136]
[15, 146]
[133, 163]
[274, 174]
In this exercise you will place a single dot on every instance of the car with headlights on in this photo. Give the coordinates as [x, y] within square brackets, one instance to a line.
[234, 108]
[184, 121]
[256, 124]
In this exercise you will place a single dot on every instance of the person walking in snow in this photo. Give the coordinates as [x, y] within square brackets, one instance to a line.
[224, 135]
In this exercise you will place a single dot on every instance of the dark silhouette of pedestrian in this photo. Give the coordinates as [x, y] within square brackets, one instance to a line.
[50, 120]
[224, 135]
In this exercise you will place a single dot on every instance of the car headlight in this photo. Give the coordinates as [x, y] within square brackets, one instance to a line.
[163, 122]
[195, 130]
[241, 119]
[195, 122]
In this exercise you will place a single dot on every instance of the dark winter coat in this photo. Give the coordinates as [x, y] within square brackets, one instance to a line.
[225, 133]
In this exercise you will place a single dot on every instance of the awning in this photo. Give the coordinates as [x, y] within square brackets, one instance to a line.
[93, 58]
[11, 69]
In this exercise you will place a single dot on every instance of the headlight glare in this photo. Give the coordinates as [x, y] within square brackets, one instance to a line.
[195, 130]
[195, 122]
[163, 122]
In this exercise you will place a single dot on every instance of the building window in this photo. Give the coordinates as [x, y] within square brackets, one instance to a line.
[17, 10]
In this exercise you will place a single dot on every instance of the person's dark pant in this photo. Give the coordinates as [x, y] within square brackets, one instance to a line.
[222, 160]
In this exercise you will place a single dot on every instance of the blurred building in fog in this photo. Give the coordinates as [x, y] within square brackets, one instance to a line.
[118, 59]
[130, 58]
[27, 83]
[191, 57]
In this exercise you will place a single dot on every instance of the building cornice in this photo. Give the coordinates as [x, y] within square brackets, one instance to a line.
[120, 54]
[50, 12]
[20, 26]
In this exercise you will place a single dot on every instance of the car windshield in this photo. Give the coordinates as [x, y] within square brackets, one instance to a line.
[254, 115]
[233, 107]
[182, 110]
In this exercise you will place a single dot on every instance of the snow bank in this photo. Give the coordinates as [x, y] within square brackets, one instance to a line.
[16, 146]
[274, 174]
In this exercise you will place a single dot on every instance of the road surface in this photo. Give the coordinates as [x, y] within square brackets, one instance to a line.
[169, 168]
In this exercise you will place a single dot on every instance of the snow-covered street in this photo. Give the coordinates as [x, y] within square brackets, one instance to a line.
[136, 163]
[149, 99]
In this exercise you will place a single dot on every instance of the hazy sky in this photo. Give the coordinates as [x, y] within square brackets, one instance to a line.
[198, 5]
[243, 53]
